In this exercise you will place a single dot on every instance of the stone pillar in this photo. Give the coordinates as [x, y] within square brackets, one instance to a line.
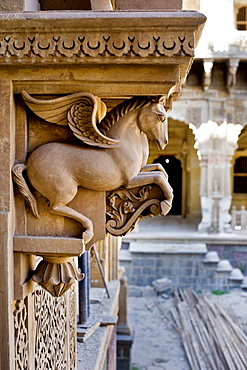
[124, 331]
[216, 145]
[208, 67]
[19, 6]
[7, 144]
[232, 73]
[97, 5]
[123, 327]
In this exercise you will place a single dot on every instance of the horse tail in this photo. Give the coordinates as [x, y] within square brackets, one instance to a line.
[18, 178]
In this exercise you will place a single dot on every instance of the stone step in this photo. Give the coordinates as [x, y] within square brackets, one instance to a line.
[164, 247]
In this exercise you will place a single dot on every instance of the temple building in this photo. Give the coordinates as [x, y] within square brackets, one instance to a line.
[72, 182]
[206, 161]
[70, 176]
[206, 155]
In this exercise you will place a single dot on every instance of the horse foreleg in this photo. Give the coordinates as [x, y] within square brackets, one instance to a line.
[154, 167]
[69, 212]
[155, 177]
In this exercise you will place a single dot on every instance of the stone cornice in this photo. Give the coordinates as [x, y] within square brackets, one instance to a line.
[99, 37]
[94, 20]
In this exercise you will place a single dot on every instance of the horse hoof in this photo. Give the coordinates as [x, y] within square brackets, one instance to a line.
[165, 207]
[87, 236]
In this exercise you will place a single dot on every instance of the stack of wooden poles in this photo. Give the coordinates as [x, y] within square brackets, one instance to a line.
[212, 339]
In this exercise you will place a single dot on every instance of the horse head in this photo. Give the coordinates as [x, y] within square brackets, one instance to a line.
[152, 120]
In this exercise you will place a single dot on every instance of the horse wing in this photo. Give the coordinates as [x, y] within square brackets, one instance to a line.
[83, 122]
[81, 111]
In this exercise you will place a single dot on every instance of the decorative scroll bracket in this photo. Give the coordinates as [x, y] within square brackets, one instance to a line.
[125, 207]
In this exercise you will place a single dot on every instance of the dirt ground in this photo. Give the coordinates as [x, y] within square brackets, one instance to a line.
[157, 345]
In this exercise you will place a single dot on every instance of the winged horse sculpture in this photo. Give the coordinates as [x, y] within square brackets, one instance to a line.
[113, 152]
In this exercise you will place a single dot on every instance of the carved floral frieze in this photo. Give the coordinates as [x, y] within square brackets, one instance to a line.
[81, 45]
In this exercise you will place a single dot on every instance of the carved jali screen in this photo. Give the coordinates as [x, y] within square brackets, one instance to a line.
[45, 336]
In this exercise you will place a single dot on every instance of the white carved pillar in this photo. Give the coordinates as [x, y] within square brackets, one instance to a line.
[233, 64]
[207, 67]
[216, 145]
[98, 5]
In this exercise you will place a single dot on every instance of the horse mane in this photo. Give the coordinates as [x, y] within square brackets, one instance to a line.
[121, 109]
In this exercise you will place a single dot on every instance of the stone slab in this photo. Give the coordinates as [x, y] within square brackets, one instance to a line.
[92, 354]
[84, 331]
[124, 255]
[190, 237]
[96, 294]
[171, 248]
[93, 20]
[108, 320]
[45, 245]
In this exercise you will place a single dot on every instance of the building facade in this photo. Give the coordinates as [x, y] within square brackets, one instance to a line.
[206, 153]
[206, 162]
[51, 54]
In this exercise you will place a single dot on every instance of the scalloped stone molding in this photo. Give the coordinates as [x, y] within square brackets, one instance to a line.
[34, 46]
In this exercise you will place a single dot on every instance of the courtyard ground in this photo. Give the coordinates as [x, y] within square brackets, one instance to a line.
[157, 345]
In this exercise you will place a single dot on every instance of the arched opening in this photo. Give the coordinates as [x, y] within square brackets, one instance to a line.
[239, 171]
[240, 175]
[242, 19]
[173, 168]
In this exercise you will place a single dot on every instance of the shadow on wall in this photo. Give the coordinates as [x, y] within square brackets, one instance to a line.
[65, 4]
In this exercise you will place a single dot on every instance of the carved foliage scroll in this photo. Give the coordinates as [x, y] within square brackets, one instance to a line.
[43, 45]
[126, 207]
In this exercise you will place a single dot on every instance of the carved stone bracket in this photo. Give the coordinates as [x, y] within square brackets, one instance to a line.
[126, 207]
[57, 274]
[57, 271]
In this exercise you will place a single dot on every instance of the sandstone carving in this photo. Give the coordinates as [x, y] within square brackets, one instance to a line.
[84, 45]
[113, 154]
[126, 207]
[57, 274]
